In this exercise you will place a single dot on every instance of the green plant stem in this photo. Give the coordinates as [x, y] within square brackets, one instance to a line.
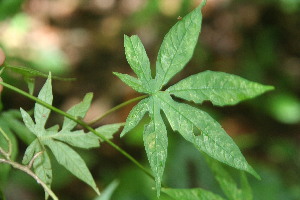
[30, 173]
[82, 123]
[116, 108]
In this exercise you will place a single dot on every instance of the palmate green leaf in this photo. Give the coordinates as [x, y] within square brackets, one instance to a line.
[132, 82]
[177, 47]
[57, 140]
[228, 184]
[191, 194]
[138, 59]
[193, 124]
[218, 87]
[67, 157]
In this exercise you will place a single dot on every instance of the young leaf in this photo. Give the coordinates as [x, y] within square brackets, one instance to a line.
[71, 161]
[189, 194]
[78, 110]
[218, 87]
[177, 47]
[138, 59]
[52, 137]
[41, 113]
[156, 143]
[131, 82]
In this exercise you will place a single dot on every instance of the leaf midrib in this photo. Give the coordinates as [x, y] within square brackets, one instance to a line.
[206, 88]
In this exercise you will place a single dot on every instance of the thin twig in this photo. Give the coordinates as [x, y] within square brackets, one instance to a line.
[33, 159]
[4, 153]
[32, 174]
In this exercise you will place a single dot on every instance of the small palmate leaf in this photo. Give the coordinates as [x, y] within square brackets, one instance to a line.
[178, 47]
[156, 143]
[213, 140]
[191, 194]
[218, 87]
[78, 110]
[41, 113]
[131, 82]
[138, 59]
[135, 116]
[68, 158]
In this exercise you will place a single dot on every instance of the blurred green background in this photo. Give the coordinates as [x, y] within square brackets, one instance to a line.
[258, 40]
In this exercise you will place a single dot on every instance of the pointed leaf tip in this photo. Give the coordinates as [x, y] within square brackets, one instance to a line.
[132, 82]
[138, 60]
[177, 47]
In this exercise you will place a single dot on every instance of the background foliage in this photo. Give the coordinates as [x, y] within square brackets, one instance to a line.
[258, 40]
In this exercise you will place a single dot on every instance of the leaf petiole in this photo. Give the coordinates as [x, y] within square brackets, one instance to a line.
[116, 108]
